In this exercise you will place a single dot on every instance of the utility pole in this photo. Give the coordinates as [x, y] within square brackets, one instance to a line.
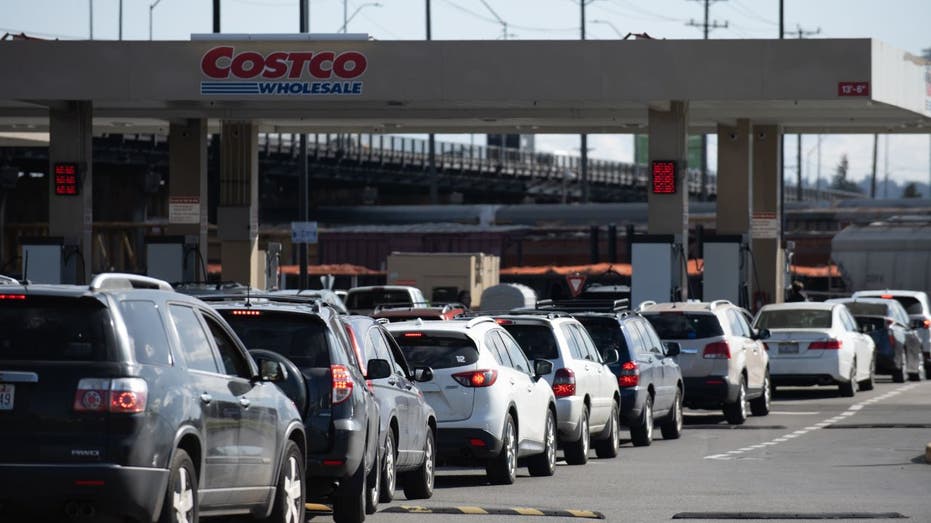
[583, 145]
[873, 176]
[800, 33]
[886, 167]
[431, 139]
[303, 183]
[121, 20]
[216, 16]
[91, 18]
[707, 26]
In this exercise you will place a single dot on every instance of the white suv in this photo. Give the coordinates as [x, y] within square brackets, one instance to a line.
[587, 396]
[916, 305]
[492, 404]
[724, 364]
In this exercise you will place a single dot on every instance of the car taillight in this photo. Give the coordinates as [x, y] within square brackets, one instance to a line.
[926, 324]
[564, 383]
[478, 378]
[501, 321]
[12, 297]
[342, 383]
[630, 375]
[718, 350]
[119, 396]
[246, 313]
[825, 345]
[892, 339]
[355, 347]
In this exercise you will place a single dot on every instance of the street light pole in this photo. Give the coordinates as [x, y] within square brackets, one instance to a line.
[584, 137]
[354, 13]
[121, 20]
[431, 138]
[303, 182]
[91, 19]
[151, 8]
[608, 23]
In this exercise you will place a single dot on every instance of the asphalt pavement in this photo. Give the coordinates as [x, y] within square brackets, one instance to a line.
[816, 456]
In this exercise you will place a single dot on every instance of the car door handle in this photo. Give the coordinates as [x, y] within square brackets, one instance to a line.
[587, 368]
[245, 402]
[393, 382]
[206, 398]
[513, 381]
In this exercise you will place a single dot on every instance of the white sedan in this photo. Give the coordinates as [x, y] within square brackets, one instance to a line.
[817, 344]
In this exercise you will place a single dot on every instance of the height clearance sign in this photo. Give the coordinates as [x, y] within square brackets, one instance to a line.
[228, 71]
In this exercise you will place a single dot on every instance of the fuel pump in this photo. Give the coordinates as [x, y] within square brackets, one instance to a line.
[174, 259]
[44, 260]
[655, 268]
[725, 268]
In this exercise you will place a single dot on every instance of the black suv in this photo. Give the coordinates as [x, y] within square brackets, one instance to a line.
[407, 443]
[649, 378]
[326, 382]
[125, 400]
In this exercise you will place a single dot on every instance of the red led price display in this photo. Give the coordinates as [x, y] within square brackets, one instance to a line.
[67, 179]
[664, 177]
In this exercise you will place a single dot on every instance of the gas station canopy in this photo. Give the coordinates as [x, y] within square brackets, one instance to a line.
[292, 85]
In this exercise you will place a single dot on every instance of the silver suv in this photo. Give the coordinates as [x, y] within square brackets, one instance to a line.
[588, 402]
[723, 360]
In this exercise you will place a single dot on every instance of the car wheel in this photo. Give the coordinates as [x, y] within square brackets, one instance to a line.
[641, 434]
[920, 375]
[502, 470]
[900, 374]
[736, 413]
[848, 389]
[672, 426]
[389, 471]
[544, 464]
[180, 505]
[577, 451]
[607, 448]
[289, 498]
[869, 382]
[760, 406]
[351, 498]
[418, 484]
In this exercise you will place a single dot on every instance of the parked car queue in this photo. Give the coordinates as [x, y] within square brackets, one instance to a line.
[345, 409]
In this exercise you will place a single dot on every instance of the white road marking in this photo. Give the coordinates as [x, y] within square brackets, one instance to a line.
[790, 413]
[852, 410]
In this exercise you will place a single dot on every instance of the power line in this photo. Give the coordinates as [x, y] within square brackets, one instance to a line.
[803, 33]
[736, 5]
[707, 25]
[646, 12]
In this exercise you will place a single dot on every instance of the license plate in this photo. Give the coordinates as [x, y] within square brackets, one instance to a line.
[788, 348]
[6, 396]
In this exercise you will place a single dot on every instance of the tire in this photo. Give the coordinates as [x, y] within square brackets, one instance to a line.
[418, 484]
[389, 471]
[869, 382]
[641, 434]
[760, 406]
[848, 389]
[181, 497]
[351, 498]
[736, 413]
[291, 491]
[502, 469]
[544, 464]
[901, 374]
[672, 425]
[373, 487]
[576, 452]
[608, 448]
[920, 375]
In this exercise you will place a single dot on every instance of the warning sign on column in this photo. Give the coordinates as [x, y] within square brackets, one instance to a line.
[764, 225]
[184, 209]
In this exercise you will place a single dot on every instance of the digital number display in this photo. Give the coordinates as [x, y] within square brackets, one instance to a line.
[664, 177]
[67, 179]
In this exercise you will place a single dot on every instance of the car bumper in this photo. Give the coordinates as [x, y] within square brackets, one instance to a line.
[344, 456]
[466, 444]
[709, 392]
[819, 370]
[632, 400]
[108, 490]
[568, 414]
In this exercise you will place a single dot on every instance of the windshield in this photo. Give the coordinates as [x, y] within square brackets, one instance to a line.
[537, 341]
[437, 352]
[298, 337]
[607, 335]
[795, 319]
[685, 325]
[54, 329]
[373, 298]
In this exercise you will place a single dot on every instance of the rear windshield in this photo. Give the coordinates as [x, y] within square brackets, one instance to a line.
[874, 309]
[298, 337]
[794, 319]
[870, 323]
[606, 333]
[685, 325]
[55, 329]
[373, 298]
[437, 352]
[537, 341]
[911, 305]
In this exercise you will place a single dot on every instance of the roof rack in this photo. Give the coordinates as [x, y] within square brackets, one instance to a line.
[586, 305]
[6, 280]
[551, 314]
[478, 320]
[718, 303]
[123, 281]
[645, 305]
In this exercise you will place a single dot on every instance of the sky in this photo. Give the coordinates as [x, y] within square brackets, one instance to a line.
[900, 23]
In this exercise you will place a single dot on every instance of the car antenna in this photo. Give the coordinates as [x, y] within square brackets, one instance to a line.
[248, 297]
[26, 269]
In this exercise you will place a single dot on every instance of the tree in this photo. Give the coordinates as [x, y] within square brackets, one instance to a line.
[840, 181]
[911, 191]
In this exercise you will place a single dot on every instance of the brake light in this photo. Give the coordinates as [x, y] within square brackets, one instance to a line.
[630, 375]
[892, 340]
[504, 322]
[478, 378]
[475, 442]
[886, 296]
[718, 350]
[413, 334]
[926, 324]
[355, 347]
[889, 322]
[12, 297]
[246, 313]
[564, 383]
[119, 396]
[342, 383]
[825, 345]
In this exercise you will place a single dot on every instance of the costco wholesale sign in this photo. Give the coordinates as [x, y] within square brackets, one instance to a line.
[303, 73]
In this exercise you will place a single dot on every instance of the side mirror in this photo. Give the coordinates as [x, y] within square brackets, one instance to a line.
[672, 348]
[763, 334]
[611, 356]
[271, 370]
[423, 374]
[542, 368]
[378, 369]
